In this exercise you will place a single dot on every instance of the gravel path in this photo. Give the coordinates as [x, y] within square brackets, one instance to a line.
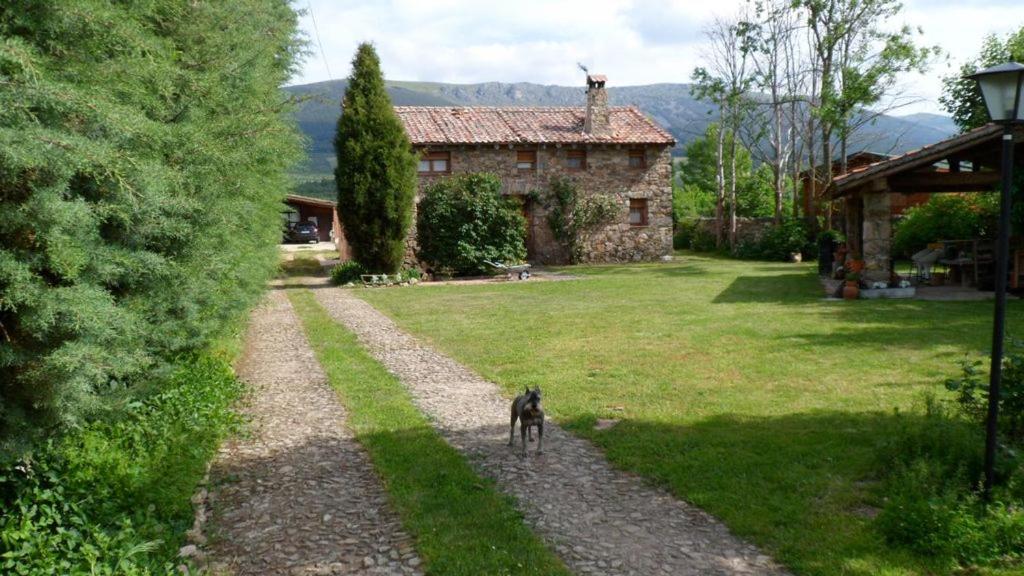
[299, 495]
[599, 520]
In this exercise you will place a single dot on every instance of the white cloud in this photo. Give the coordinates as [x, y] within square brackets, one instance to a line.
[633, 42]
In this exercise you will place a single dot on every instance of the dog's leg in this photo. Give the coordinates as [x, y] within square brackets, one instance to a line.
[540, 436]
[529, 432]
[512, 427]
[522, 434]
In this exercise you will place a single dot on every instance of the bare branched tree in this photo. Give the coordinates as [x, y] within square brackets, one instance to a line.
[726, 81]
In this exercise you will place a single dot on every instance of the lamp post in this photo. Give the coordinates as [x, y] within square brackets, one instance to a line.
[1001, 88]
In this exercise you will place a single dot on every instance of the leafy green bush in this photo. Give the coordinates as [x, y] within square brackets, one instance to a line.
[114, 496]
[682, 236]
[934, 517]
[142, 170]
[972, 391]
[835, 236]
[777, 242]
[464, 220]
[931, 470]
[691, 235]
[412, 273]
[945, 217]
[347, 272]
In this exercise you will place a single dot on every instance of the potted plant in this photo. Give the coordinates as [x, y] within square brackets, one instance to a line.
[851, 290]
[855, 264]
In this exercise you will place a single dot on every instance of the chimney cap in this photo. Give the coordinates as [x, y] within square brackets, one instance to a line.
[596, 80]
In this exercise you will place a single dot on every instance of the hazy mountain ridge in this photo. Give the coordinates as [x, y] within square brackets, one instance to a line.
[670, 105]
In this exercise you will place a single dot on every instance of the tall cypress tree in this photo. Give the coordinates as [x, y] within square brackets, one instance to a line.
[376, 172]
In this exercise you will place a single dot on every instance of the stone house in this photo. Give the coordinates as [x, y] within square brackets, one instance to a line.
[615, 151]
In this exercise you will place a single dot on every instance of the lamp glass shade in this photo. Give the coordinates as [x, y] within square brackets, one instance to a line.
[1001, 88]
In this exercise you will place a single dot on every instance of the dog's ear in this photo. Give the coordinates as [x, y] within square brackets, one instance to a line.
[527, 389]
[537, 389]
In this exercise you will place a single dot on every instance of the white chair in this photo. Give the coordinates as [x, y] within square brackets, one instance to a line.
[924, 261]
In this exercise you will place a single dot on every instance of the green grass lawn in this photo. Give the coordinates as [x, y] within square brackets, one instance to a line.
[462, 524]
[737, 385]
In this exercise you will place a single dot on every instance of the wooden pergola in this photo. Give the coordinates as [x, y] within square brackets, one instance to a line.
[969, 162]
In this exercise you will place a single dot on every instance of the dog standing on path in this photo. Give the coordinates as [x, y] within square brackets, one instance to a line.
[526, 408]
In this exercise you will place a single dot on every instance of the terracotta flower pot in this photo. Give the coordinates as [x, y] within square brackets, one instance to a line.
[851, 290]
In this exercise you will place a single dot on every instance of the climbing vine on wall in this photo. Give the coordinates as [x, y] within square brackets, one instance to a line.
[573, 216]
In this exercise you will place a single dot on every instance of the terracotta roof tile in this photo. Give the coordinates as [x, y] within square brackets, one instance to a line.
[438, 125]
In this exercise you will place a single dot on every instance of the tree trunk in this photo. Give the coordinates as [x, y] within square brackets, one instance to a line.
[797, 159]
[826, 161]
[811, 192]
[720, 185]
[778, 169]
[732, 192]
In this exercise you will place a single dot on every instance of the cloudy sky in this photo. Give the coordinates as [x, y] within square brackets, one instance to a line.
[632, 42]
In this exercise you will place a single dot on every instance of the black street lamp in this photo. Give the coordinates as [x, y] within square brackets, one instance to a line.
[1001, 87]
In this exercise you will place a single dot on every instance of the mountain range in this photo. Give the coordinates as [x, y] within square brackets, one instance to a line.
[672, 106]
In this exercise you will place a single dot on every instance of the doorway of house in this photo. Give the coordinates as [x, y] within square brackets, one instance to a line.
[529, 210]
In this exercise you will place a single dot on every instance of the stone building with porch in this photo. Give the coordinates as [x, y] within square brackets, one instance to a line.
[615, 151]
[872, 196]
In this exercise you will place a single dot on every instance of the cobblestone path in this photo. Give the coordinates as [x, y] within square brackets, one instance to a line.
[298, 495]
[598, 519]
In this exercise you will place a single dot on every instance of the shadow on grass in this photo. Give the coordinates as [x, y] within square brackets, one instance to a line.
[786, 288]
[673, 269]
[803, 486]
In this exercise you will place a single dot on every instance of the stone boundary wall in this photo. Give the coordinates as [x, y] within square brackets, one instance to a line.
[747, 229]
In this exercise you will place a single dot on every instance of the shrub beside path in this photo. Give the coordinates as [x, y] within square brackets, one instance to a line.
[598, 519]
[299, 494]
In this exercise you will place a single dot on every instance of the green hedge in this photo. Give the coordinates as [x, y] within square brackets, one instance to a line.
[143, 149]
[114, 496]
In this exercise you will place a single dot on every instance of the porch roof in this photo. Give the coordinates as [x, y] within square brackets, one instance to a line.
[308, 201]
[917, 170]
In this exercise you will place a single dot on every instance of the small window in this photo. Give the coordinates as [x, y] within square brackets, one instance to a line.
[526, 160]
[638, 211]
[637, 159]
[435, 162]
[576, 159]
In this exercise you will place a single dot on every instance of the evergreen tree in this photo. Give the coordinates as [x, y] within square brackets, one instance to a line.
[143, 157]
[376, 172]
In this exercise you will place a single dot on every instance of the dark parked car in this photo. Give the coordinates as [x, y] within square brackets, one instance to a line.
[302, 232]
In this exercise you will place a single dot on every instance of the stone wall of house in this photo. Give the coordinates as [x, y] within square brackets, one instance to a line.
[607, 172]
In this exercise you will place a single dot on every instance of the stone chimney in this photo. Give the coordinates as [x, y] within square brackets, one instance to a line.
[597, 122]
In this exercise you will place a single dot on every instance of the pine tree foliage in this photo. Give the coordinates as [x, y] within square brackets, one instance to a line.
[376, 173]
[143, 149]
